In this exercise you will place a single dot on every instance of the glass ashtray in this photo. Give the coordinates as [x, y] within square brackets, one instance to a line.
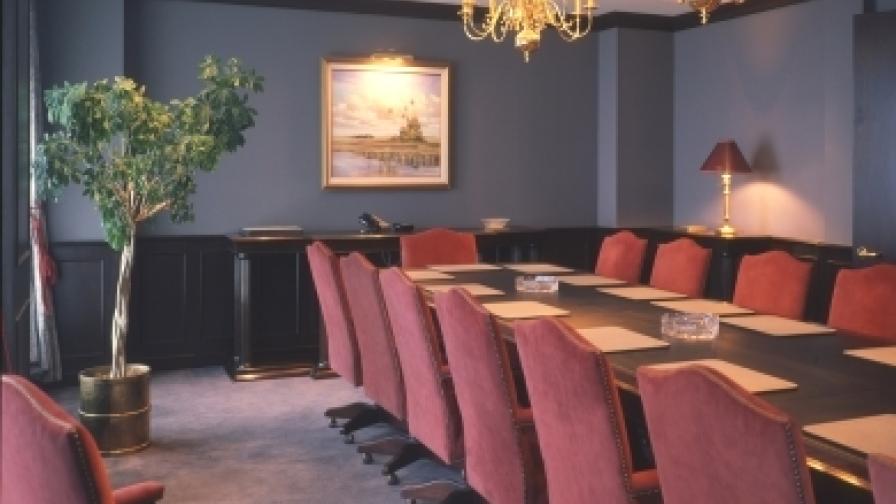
[537, 283]
[690, 326]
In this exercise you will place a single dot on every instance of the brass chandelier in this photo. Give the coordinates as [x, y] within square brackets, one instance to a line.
[704, 7]
[527, 18]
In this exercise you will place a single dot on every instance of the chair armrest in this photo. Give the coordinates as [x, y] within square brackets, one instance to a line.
[146, 492]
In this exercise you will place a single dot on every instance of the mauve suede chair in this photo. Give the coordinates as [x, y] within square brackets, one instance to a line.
[342, 346]
[621, 257]
[715, 442]
[437, 246]
[681, 266]
[50, 458]
[864, 302]
[578, 417]
[503, 463]
[882, 470]
[380, 370]
[432, 412]
[773, 283]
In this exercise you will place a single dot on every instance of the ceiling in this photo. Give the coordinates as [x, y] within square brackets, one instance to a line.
[661, 7]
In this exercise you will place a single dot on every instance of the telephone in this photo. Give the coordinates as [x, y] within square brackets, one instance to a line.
[372, 224]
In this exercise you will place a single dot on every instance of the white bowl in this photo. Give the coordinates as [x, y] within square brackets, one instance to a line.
[495, 223]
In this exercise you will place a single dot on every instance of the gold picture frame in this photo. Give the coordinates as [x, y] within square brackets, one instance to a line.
[385, 123]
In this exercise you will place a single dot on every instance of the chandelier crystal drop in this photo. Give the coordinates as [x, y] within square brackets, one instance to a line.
[704, 7]
[527, 19]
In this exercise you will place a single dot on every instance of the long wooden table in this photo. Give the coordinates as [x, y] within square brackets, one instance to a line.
[831, 385]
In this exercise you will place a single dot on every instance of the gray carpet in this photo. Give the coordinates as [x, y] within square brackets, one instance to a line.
[217, 441]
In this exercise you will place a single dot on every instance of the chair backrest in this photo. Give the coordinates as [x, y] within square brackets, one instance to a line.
[621, 256]
[342, 346]
[437, 246]
[47, 455]
[433, 417]
[486, 396]
[577, 414]
[681, 266]
[864, 302]
[882, 470]
[379, 358]
[773, 283]
[715, 442]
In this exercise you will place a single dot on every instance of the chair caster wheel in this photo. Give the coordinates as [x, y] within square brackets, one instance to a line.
[367, 459]
[349, 439]
[392, 479]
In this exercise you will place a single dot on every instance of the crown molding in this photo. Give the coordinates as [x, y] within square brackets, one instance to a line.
[449, 12]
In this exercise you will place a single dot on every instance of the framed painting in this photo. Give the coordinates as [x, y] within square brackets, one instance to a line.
[385, 123]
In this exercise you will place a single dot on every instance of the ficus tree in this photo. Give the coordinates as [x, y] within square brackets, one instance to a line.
[136, 157]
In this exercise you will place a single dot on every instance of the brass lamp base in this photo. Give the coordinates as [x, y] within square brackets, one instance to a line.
[726, 231]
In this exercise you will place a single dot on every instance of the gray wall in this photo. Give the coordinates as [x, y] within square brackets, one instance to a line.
[523, 134]
[634, 161]
[79, 41]
[781, 84]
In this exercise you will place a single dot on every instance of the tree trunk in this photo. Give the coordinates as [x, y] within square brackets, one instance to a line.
[121, 317]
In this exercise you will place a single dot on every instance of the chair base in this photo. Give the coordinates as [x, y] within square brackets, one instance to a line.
[391, 446]
[442, 492]
[358, 416]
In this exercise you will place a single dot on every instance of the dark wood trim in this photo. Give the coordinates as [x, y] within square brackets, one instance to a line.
[449, 12]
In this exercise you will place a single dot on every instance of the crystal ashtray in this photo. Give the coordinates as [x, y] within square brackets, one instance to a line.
[690, 326]
[537, 283]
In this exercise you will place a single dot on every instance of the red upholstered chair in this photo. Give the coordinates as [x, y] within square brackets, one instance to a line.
[503, 463]
[437, 246]
[715, 442]
[681, 266]
[48, 457]
[342, 346]
[433, 416]
[621, 256]
[380, 369]
[864, 302]
[773, 283]
[883, 478]
[578, 417]
[382, 378]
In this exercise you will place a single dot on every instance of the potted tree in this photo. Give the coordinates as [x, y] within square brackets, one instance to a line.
[137, 157]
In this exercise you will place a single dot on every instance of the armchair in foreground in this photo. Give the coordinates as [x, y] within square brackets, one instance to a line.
[48, 457]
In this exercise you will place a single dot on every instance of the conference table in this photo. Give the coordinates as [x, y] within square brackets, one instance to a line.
[830, 385]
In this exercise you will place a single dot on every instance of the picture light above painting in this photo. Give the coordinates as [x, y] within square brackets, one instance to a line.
[385, 123]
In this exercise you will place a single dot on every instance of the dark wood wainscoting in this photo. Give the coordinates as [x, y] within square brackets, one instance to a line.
[250, 303]
[181, 305]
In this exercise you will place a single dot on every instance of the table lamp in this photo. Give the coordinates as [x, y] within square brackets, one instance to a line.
[726, 159]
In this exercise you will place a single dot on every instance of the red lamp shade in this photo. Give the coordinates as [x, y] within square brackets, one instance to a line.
[727, 158]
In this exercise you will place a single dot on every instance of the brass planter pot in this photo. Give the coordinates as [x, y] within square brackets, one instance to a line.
[116, 410]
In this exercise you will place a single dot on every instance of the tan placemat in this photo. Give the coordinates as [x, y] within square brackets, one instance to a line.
[641, 293]
[523, 309]
[871, 434]
[473, 288]
[460, 268]
[774, 325]
[754, 381]
[619, 339]
[538, 268]
[588, 280]
[884, 355]
[703, 306]
[426, 275]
